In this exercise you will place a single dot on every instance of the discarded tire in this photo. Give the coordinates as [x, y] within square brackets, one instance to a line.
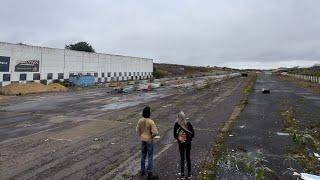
[265, 91]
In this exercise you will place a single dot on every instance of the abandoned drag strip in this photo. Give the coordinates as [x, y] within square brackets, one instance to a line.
[76, 135]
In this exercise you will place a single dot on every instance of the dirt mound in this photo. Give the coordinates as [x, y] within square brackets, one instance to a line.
[3, 98]
[56, 87]
[14, 89]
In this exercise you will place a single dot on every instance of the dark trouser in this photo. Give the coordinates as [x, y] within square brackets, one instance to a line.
[185, 149]
[147, 150]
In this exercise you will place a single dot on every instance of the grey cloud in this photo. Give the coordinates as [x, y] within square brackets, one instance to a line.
[244, 33]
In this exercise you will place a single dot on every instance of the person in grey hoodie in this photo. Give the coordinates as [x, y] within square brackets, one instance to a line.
[183, 132]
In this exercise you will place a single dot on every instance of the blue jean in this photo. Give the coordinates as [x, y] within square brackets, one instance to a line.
[147, 150]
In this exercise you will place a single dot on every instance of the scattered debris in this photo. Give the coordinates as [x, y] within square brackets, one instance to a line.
[129, 89]
[155, 85]
[307, 176]
[96, 139]
[244, 74]
[265, 91]
[231, 135]
[46, 140]
[242, 126]
[316, 155]
[130, 123]
[296, 174]
[113, 143]
[282, 134]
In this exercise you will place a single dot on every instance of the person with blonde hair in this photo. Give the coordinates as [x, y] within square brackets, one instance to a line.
[183, 132]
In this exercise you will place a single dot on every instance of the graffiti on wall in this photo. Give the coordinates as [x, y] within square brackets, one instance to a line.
[4, 64]
[27, 66]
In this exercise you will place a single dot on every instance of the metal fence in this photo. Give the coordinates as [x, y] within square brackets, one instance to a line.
[315, 79]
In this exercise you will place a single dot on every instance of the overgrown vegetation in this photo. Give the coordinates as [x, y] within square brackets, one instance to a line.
[208, 170]
[173, 70]
[251, 162]
[158, 73]
[306, 141]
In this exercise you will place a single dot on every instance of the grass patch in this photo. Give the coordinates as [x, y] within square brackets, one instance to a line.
[288, 118]
[252, 162]
[306, 141]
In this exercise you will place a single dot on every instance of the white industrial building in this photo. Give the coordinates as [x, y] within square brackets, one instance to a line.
[24, 63]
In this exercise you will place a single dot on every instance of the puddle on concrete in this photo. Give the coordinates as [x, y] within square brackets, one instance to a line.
[119, 105]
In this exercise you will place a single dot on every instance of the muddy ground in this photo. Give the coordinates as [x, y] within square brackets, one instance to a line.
[91, 134]
[260, 135]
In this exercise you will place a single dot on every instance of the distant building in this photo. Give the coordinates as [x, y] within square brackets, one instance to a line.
[316, 67]
[23, 63]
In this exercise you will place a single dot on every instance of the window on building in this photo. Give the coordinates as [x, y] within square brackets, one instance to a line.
[137, 73]
[114, 74]
[49, 76]
[95, 74]
[88, 74]
[125, 73]
[36, 76]
[23, 77]
[102, 74]
[71, 74]
[129, 73]
[134, 73]
[60, 75]
[120, 73]
[109, 74]
[6, 77]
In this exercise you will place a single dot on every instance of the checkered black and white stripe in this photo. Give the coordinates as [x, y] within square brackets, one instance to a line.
[8, 78]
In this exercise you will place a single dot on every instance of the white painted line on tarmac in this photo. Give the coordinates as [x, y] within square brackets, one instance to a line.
[58, 139]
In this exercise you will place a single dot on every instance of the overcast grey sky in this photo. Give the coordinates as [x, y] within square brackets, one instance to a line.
[233, 33]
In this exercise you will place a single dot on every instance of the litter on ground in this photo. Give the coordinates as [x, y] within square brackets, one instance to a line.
[307, 176]
[282, 134]
[265, 91]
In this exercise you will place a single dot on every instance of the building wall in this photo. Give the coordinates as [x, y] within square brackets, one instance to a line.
[55, 62]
